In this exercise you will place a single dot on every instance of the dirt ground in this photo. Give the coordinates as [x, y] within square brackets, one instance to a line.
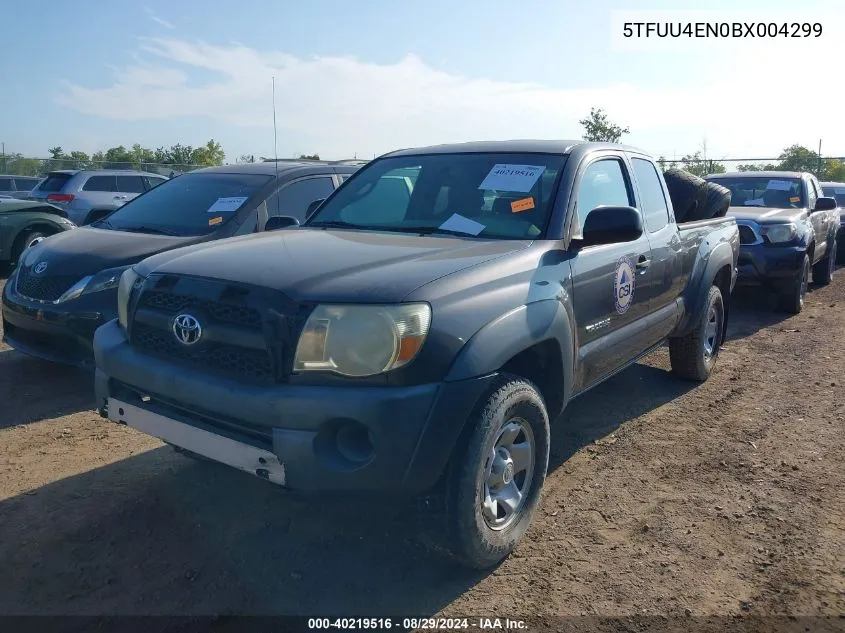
[664, 499]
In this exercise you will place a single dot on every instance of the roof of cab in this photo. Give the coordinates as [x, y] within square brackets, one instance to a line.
[527, 146]
[761, 174]
[271, 167]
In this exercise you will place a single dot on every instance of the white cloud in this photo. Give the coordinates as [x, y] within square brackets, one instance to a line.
[341, 105]
[157, 19]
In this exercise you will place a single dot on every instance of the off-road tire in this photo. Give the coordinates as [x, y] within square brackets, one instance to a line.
[825, 267]
[693, 356]
[792, 300]
[717, 201]
[687, 192]
[451, 520]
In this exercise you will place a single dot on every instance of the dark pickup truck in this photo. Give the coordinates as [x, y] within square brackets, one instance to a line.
[420, 339]
[787, 228]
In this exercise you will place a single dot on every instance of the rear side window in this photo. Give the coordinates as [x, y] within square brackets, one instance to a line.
[130, 184]
[25, 184]
[654, 207]
[54, 182]
[100, 183]
[152, 181]
[5, 184]
[294, 198]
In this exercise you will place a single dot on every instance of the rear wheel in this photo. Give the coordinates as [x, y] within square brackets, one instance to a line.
[694, 355]
[824, 269]
[495, 478]
[792, 300]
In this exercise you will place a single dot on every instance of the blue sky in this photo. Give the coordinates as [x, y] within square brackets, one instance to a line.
[367, 77]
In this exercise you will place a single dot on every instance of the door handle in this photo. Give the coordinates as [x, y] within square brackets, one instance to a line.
[643, 262]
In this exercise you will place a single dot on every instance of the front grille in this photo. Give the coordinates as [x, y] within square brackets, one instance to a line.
[223, 312]
[237, 362]
[746, 235]
[246, 334]
[44, 288]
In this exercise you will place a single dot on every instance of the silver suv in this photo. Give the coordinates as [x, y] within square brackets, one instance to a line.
[89, 195]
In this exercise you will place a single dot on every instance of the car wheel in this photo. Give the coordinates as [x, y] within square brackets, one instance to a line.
[25, 241]
[792, 300]
[495, 478]
[824, 269]
[693, 356]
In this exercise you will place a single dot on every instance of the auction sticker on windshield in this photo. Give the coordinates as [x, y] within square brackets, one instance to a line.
[227, 205]
[517, 178]
[779, 185]
[526, 204]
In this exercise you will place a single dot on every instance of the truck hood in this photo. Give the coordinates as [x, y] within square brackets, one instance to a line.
[766, 215]
[86, 250]
[333, 265]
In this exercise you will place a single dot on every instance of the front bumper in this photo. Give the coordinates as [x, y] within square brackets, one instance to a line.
[61, 333]
[770, 266]
[324, 438]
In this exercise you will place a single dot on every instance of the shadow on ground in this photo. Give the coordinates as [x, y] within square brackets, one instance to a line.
[32, 390]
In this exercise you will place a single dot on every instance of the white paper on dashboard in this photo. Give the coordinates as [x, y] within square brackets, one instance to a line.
[463, 225]
[227, 205]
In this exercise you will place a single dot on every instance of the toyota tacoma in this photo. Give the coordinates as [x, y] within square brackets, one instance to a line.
[419, 339]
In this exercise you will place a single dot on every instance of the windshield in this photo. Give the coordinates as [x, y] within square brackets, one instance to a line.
[837, 192]
[763, 191]
[506, 196]
[192, 204]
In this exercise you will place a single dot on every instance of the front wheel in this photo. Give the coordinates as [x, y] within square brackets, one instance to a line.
[824, 269]
[693, 356]
[792, 300]
[496, 475]
[25, 241]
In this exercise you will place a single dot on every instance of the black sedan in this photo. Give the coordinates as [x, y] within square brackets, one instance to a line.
[65, 287]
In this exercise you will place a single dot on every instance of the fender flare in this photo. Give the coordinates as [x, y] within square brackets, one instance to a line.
[506, 336]
[699, 286]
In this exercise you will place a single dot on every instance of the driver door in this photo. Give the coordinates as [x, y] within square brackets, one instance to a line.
[610, 281]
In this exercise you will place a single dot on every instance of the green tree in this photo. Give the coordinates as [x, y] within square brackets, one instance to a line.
[209, 155]
[798, 158]
[597, 127]
[309, 157]
[834, 171]
[179, 154]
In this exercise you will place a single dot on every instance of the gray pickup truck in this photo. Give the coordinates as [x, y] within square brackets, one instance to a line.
[419, 332]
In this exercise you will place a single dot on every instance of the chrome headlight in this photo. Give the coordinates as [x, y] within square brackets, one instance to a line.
[125, 285]
[362, 340]
[779, 233]
[103, 280]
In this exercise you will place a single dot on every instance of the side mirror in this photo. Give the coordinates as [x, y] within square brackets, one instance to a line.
[277, 222]
[825, 204]
[312, 208]
[612, 225]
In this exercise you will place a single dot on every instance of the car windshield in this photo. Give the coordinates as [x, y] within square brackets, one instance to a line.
[192, 204]
[506, 196]
[764, 191]
[837, 192]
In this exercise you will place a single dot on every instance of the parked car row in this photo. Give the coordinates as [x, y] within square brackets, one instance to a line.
[17, 186]
[411, 325]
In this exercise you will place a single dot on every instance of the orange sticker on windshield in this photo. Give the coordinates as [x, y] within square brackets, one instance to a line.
[217, 220]
[795, 199]
[518, 206]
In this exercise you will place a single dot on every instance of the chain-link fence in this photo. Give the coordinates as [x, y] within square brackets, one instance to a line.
[16, 165]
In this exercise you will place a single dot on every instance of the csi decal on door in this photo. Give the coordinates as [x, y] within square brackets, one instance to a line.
[623, 285]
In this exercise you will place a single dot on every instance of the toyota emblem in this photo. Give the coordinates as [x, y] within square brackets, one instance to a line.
[187, 329]
[40, 267]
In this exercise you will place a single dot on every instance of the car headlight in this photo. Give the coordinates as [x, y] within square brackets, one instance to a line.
[127, 283]
[362, 340]
[779, 233]
[103, 280]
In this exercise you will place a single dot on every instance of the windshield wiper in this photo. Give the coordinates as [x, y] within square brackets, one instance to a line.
[147, 229]
[427, 230]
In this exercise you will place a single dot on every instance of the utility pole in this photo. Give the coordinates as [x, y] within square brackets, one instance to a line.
[4, 157]
[819, 168]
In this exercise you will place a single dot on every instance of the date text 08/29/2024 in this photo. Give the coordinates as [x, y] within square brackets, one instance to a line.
[439, 624]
